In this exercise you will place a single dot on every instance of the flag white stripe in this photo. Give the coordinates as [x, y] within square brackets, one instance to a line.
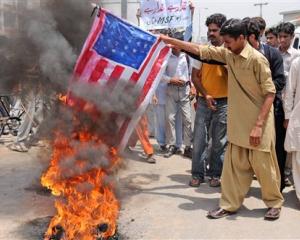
[106, 73]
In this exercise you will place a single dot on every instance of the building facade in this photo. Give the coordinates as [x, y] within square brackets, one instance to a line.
[292, 16]
[10, 12]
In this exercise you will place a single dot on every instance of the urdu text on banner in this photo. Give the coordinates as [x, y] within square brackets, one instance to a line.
[162, 14]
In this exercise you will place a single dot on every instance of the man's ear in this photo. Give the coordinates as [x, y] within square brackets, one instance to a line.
[242, 37]
[252, 37]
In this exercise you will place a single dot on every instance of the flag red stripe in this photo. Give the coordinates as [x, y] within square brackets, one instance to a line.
[115, 75]
[82, 62]
[153, 73]
[88, 51]
[98, 70]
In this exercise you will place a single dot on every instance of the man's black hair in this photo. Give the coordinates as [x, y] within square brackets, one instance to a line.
[234, 28]
[252, 27]
[271, 30]
[286, 27]
[217, 18]
[261, 22]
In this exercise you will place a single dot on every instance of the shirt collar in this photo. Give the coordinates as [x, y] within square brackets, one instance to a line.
[246, 51]
[179, 56]
[288, 51]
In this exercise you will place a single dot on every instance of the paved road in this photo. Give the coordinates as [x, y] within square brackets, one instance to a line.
[156, 203]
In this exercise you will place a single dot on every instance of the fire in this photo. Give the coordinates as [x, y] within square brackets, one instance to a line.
[87, 208]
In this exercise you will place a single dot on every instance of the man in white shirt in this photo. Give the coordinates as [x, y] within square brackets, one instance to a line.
[177, 78]
[292, 142]
[285, 37]
[159, 101]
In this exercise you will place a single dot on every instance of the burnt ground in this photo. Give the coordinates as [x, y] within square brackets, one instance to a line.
[156, 202]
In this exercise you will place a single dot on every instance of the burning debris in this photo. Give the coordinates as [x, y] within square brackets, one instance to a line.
[86, 199]
[57, 233]
[101, 229]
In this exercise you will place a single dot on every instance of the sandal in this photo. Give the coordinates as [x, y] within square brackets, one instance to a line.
[195, 182]
[150, 159]
[219, 213]
[272, 214]
[18, 147]
[215, 182]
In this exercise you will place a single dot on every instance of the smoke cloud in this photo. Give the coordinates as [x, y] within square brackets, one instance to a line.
[41, 57]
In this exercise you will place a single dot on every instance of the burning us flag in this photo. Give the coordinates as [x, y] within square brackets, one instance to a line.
[118, 56]
[114, 78]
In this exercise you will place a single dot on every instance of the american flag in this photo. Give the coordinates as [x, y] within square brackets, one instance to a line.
[116, 51]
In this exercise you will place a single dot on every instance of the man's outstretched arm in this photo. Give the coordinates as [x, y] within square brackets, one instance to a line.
[187, 46]
[207, 53]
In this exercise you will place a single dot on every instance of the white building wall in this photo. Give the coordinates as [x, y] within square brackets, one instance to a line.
[293, 17]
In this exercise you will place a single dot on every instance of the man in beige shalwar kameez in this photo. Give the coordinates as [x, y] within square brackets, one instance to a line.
[251, 133]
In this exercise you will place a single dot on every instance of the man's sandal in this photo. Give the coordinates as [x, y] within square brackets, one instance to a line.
[195, 182]
[272, 214]
[219, 213]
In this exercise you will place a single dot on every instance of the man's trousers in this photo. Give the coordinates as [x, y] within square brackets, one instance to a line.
[239, 166]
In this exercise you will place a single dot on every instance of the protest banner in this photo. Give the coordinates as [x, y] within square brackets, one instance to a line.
[163, 14]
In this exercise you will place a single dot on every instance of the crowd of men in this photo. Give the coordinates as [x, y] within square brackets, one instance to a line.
[247, 94]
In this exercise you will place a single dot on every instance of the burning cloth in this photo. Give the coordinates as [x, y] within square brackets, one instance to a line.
[115, 76]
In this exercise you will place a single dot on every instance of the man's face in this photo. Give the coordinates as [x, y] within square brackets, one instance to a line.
[213, 34]
[272, 40]
[175, 51]
[285, 40]
[234, 45]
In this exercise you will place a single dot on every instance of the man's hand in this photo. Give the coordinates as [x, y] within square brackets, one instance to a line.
[255, 136]
[154, 100]
[165, 38]
[286, 123]
[193, 93]
[210, 101]
[177, 82]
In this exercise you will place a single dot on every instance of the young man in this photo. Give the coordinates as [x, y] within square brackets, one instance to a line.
[292, 142]
[272, 37]
[159, 101]
[250, 126]
[211, 113]
[285, 37]
[277, 71]
[178, 89]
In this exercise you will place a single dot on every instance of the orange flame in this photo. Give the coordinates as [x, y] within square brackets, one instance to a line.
[86, 199]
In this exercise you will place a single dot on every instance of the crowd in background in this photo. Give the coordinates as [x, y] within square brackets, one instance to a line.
[187, 76]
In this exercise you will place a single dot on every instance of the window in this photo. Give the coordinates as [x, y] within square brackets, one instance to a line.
[10, 14]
